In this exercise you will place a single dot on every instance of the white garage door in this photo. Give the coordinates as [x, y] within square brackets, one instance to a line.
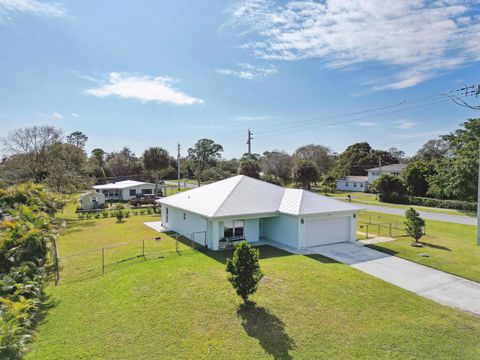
[326, 231]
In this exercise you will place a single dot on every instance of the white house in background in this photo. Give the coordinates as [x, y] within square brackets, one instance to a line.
[394, 169]
[243, 208]
[92, 200]
[125, 190]
[360, 183]
[353, 183]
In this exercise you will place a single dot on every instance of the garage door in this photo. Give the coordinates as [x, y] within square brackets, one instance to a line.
[326, 231]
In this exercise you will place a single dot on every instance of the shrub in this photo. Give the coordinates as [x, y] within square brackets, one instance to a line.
[444, 204]
[81, 216]
[149, 211]
[104, 214]
[97, 215]
[244, 269]
[127, 213]
[119, 214]
[414, 224]
[88, 216]
[142, 211]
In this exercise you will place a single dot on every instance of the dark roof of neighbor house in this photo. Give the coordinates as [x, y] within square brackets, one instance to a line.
[390, 168]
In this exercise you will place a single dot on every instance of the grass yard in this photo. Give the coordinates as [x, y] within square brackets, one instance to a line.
[307, 307]
[183, 307]
[451, 247]
[121, 242]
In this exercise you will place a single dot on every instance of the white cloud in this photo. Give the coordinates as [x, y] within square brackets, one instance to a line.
[404, 124]
[42, 8]
[54, 115]
[249, 72]
[415, 39]
[253, 118]
[420, 134]
[75, 115]
[366, 123]
[142, 87]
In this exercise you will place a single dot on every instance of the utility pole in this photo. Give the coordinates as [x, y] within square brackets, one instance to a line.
[178, 165]
[380, 165]
[478, 197]
[456, 97]
[249, 142]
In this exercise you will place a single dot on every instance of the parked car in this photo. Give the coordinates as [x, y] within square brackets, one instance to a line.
[143, 200]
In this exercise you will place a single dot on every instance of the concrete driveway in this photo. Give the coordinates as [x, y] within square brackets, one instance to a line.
[432, 284]
[457, 219]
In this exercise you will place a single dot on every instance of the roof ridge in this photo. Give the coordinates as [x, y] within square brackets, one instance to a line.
[240, 178]
[301, 201]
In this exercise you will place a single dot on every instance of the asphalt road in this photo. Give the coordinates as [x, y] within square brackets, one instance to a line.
[458, 219]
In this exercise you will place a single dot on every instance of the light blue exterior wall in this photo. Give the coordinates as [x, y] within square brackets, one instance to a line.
[252, 230]
[282, 229]
[192, 223]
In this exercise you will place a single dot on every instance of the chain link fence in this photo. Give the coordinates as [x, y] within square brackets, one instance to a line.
[95, 262]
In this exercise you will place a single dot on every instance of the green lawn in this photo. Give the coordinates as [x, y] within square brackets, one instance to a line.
[307, 307]
[181, 306]
[451, 247]
[121, 241]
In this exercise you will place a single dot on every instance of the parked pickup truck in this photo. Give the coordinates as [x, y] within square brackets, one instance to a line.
[143, 200]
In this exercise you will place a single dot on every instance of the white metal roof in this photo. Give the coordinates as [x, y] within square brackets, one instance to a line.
[242, 195]
[392, 167]
[121, 185]
[355, 178]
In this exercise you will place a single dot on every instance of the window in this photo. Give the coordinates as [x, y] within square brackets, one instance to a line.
[354, 184]
[361, 184]
[133, 192]
[233, 228]
[147, 191]
[166, 215]
[346, 184]
[105, 192]
[94, 199]
[184, 216]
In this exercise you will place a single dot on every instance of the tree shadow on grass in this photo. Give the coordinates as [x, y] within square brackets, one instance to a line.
[78, 225]
[268, 329]
[433, 246]
[382, 249]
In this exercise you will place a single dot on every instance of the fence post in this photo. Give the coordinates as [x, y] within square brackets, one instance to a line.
[367, 230]
[56, 273]
[378, 232]
[390, 230]
[103, 261]
[143, 248]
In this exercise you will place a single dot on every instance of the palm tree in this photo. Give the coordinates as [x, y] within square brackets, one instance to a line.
[156, 159]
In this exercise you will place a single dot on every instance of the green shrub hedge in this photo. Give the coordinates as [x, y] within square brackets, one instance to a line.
[444, 204]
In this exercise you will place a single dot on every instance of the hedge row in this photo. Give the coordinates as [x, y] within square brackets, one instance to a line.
[444, 204]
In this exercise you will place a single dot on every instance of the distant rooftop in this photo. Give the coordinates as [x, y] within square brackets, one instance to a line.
[390, 168]
[356, 178]
[121, 185]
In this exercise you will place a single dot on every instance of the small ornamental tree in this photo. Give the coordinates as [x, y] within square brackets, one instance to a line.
[414, 224]
[244, 269]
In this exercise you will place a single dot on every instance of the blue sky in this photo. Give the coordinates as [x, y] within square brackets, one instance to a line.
[151, 73]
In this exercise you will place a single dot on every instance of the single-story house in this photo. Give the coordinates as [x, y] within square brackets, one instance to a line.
[353, 183]
[92, 201]
[125, 190]
[394, 169]
[243, 208]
